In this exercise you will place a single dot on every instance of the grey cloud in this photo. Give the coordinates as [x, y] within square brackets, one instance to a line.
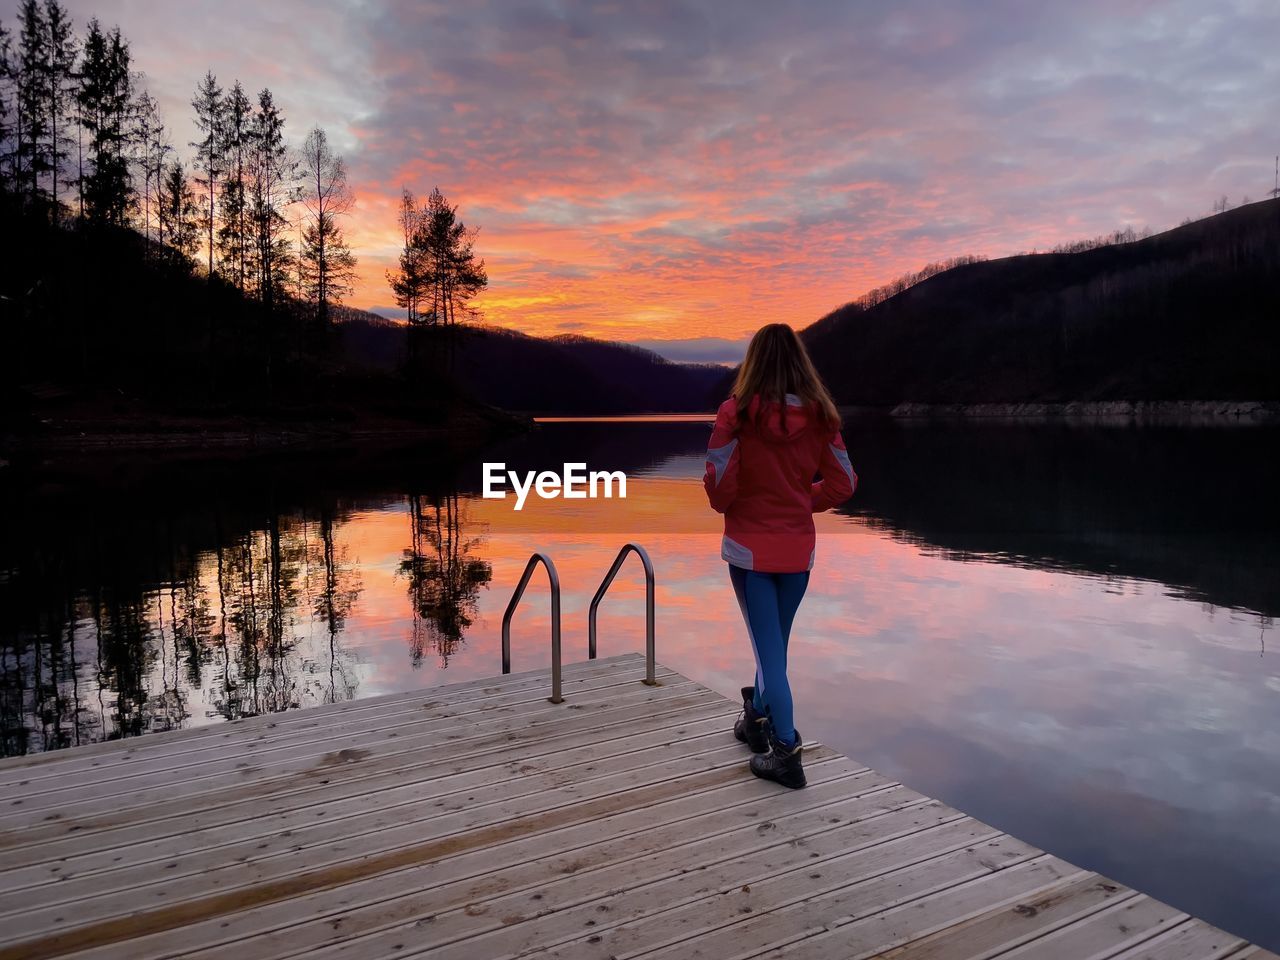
[731, 130]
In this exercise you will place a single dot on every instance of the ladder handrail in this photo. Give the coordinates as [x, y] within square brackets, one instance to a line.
[553, 579]
[648, 604]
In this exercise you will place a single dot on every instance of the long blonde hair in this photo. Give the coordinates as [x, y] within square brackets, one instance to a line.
[778, 364]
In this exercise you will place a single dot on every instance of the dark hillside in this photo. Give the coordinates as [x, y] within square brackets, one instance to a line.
[1189, 314]
[561, 375]
[108, 340]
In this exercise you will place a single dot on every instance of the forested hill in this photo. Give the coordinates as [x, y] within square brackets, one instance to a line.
[563, 375]
[1189, 314]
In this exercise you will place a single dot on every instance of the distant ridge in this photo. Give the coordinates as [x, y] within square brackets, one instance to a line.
[564, 375]
[1191, 314]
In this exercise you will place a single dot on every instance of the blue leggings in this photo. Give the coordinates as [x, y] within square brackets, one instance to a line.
[769, 602]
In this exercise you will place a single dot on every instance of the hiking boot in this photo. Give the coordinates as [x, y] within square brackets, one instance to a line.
[781, 763]
[750, 728]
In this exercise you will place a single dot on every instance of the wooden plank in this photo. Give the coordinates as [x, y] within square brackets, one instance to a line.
[480, 820]
[1252, 952]
[426, 714]
[871, 931]
[1104, 933]
[266, 836]
[904, 915]
[572, 752]
[730, 920]
[271, 881]
[422, 707]
[534, 680]
[323, 854]
[301, 772]
[1006, 925]
[526, 772]
[264, 742]
[398, 747]
[241, 779]
[537, 871]
[680, 875]
[348, 773]
[537, 713]
[1189, 940]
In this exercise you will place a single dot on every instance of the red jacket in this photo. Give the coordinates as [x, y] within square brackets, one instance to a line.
[761, 479]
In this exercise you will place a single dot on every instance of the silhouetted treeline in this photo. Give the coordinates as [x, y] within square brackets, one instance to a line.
[909, 280]
[134, 277]
[81, 137]
[1189, 314]
[94, 324]
[557, 375]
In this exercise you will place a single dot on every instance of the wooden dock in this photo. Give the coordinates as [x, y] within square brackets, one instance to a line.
[481, 821]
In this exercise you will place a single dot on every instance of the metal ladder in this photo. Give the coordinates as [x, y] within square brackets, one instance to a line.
[553, 579]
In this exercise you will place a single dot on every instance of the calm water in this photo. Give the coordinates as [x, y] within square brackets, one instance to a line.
[1066, 632]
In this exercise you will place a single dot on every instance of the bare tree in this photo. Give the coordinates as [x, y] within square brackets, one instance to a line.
[408, 282]
[327, 267]
[153, 151]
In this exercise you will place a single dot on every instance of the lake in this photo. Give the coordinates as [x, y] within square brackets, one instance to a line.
[1065, 631]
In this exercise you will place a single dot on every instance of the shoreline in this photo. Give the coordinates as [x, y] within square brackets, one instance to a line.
[249, 438]
[1188, 412]
[241, 437]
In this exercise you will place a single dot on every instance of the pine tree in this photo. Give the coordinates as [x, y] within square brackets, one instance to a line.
[210, 158]
[59, 89]
[106, 105]
[327, 264]
[454, 274]
[273, 179]
[468, 276]
[233, 234]
[179, 213]
[6, 104]
[31, 160]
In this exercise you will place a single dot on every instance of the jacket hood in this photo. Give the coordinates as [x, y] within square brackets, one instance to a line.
[770, 423]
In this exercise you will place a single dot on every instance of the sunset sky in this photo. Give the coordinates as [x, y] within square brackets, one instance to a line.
[670, 171]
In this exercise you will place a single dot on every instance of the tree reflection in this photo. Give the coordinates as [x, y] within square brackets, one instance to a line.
[444, 576]
[334, 604]
[138, 641]
[124, 659]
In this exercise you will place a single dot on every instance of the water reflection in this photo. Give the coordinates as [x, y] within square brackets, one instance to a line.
[252, 624]
[1063, 631]
[1194, 509]
[212, 591]
[445, 576]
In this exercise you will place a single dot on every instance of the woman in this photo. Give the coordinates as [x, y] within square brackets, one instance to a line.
[777, 431]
